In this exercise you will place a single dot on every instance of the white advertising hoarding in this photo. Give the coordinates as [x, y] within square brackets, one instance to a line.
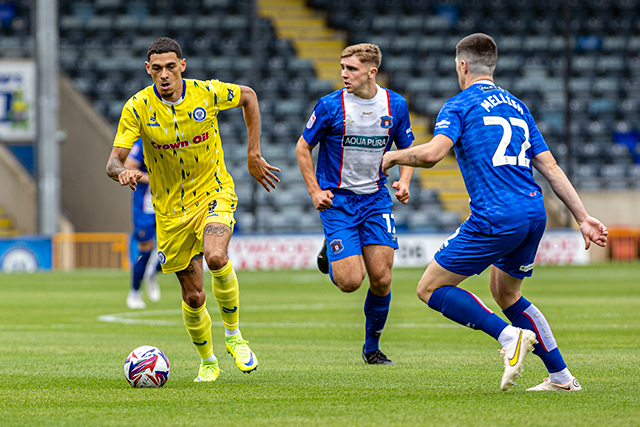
[17, 100]
[299, 251]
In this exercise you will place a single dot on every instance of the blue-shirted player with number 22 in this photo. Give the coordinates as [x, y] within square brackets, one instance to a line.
[496, 142]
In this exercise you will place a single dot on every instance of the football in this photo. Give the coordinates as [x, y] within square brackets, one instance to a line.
[147, 366]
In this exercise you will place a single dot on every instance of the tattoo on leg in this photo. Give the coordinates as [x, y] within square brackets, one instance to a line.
[189, 271]
[216, 230]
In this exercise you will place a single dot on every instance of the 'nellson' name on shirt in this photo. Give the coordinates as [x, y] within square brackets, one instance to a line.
[494, 100]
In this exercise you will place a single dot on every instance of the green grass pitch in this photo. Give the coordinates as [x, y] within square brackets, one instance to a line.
[64, 338]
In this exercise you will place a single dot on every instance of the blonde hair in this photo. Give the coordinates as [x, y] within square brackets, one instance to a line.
[365, 52]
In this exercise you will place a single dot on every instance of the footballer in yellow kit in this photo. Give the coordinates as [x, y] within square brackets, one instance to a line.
[185, 163]
[192, 192]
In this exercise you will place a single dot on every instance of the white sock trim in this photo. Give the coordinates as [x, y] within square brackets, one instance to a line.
[560, 377]
[508, 336]
[228, 333]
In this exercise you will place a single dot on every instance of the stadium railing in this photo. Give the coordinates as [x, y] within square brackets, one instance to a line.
[90, 250]
[624, 243]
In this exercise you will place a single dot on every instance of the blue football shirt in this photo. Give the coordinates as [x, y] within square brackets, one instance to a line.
[142, 206]
[354, 134]
[495, 138]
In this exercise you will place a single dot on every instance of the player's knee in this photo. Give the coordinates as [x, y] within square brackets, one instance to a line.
[350, 284]
[216, 260]
[194, 299]
[381, 285]
[424, 292]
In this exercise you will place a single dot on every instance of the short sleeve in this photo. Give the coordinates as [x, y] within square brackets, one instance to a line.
[403, 134]
[227, 95]
[128, 127]
[317, 125]
[449, 121]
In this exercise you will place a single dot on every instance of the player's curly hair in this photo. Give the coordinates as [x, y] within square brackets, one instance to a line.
[164, 45]
[480, 52]
[365, 52]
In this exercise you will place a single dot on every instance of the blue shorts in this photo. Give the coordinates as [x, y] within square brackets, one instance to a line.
[470, 252]
[144, 227]
[357, 220]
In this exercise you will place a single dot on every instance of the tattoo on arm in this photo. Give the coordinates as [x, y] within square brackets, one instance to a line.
[412, 160]
[216, 230]
[115, 168]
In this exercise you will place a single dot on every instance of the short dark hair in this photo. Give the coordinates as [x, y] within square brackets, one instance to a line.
[164, 45]
[480, 52]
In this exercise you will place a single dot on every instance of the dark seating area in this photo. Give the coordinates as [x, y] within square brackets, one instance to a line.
[600, 40]
[588, 64]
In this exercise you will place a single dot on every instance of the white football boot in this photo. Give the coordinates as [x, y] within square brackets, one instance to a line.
[548, 385]
[513, 357]
[134, 300]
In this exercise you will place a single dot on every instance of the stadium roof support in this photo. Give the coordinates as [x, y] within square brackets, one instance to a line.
[48, 149]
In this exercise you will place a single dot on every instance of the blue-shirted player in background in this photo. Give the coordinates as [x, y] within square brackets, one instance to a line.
[496, 142]
[354, 127]
[144, 233]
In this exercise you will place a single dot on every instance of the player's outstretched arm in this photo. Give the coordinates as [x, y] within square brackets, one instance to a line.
[258, 167]
[321, 198]
[402, 184]
[592, 230]
[118, 172]
[421, 156]
[132, 163]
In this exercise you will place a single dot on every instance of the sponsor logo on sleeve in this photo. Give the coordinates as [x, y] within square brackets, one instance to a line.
[312, 120]
[443, 124]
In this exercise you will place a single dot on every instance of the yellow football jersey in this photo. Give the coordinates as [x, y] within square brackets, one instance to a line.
[181, 143]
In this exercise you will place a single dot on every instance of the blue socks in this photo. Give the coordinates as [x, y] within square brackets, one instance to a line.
[465, 308]
[376, 310]
[525, 315]
[138, 269]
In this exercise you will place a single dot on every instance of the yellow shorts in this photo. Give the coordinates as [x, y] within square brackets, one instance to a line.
[180, 238]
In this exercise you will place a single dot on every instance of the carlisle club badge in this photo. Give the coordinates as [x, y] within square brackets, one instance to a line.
[336, 246]
[386, 122]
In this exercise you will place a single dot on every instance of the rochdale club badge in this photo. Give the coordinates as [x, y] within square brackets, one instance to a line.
[199, 114]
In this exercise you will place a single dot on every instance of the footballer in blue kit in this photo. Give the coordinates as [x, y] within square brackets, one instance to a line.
[144, 233]
[353, 128]
[497, 143]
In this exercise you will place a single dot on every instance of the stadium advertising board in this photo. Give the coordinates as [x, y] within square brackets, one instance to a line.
[284, 252]
[17, 100]
[25, 255]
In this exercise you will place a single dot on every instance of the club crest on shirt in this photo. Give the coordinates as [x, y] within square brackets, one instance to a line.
[212, 206]
[199, 114]
[230, 95]
[386, 122]
[336, 246]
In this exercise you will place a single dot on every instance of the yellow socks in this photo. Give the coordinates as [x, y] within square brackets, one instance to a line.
[198, 323]
[227, 293]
